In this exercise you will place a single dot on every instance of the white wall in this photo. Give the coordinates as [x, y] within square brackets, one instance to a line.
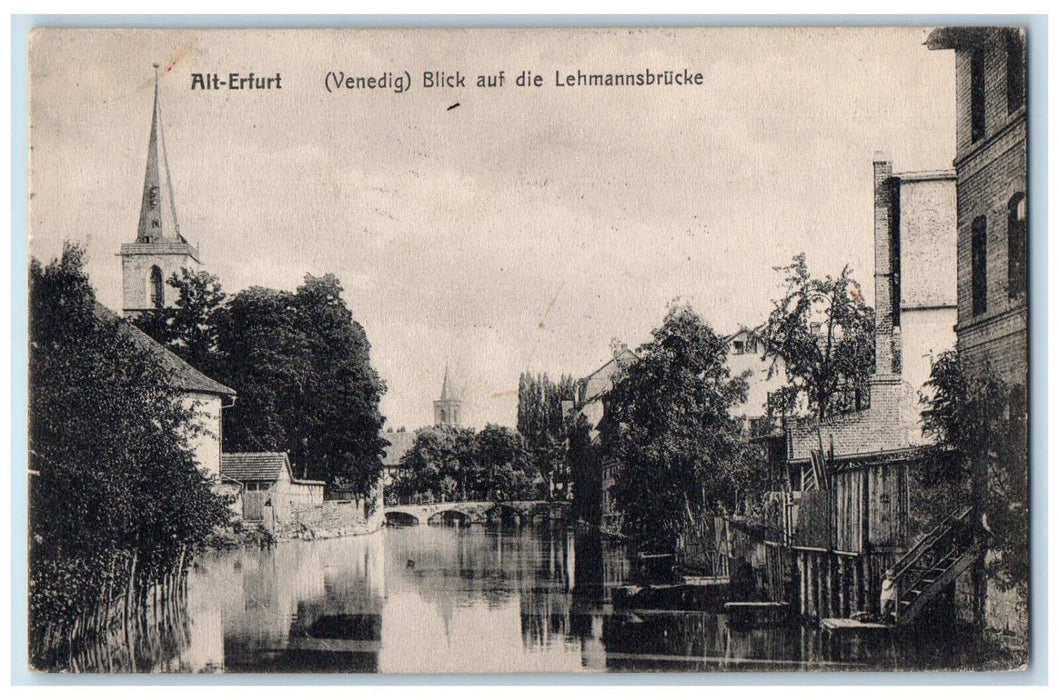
[205, 441]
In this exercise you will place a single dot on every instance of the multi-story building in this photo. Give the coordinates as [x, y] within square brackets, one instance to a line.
[993, 245]
[991, 176]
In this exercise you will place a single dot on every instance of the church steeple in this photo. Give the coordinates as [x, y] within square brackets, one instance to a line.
[159, 250]
[447, 408]
[445, 386]
[158, 220]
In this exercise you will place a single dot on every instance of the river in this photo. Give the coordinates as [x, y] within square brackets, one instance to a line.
[480, 599]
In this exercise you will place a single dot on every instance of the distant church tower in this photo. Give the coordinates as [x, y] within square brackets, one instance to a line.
[447, 408]
[159, 249]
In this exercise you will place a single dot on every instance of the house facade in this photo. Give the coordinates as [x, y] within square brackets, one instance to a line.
[994, 243]
[267, 489]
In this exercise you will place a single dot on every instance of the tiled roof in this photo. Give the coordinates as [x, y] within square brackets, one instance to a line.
[185, 377]
[253, 466]
[400, 444]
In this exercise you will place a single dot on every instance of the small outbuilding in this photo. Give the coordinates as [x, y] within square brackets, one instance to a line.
[265, 480]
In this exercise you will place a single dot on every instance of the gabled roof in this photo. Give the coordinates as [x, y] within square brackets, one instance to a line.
[185, 377]
[258, 466]
[400, 444]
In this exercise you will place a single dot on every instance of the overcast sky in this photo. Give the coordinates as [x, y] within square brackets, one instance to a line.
[521, 230]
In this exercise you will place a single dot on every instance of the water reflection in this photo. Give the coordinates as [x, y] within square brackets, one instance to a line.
[471, 599]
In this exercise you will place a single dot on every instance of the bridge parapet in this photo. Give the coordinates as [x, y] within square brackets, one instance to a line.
[467, 512]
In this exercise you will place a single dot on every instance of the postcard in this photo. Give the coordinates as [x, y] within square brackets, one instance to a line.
[694, 349]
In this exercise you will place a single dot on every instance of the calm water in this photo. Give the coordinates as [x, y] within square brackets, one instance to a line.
[440, 599]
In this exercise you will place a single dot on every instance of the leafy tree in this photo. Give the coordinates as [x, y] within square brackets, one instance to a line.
[586, 473]
[544, 426]
[821, 334]
[117, 500]
[980, 456]
[301, 365]
[666, 423]
[441, 464]
[456, 463]
[190, 327]
[505, 463]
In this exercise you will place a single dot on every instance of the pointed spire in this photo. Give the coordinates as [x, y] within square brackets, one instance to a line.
[446, 394]
[158, 220]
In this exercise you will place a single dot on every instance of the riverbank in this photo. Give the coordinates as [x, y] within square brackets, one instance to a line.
[250, 535]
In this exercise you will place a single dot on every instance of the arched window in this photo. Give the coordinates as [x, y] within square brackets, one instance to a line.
[978, 270]
[157, 297]
[1017, 230]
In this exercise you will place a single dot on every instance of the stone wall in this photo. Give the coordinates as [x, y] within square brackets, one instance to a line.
[331, 519]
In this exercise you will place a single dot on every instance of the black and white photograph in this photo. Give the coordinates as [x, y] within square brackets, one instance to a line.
[529, 351]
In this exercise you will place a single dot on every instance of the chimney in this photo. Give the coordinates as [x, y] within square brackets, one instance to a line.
[884, 215]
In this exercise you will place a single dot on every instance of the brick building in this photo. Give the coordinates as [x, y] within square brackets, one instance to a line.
[991, 176]
[849, 515]
[993, 243]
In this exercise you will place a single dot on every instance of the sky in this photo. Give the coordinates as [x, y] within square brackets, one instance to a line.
[521, 230]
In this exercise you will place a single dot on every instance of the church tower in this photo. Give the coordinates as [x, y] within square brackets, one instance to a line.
[447, 408]
[159, 249]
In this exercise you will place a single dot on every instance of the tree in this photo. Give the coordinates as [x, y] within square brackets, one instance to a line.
[117, 500]
[504, 461]
[543, 424]
[666, 423]
[302, 368]
[190, 327]
[586, 473]
[822, 334]
[441, 464]
[980, 456]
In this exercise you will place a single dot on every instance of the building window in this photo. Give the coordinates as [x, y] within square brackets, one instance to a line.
[737, 347]
[1017, 258]
[156, 287]
[751, 346]
[978, 269]
[1016, 65]
[977, 94]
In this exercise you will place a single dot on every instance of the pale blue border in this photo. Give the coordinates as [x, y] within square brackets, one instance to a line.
[1037, 27]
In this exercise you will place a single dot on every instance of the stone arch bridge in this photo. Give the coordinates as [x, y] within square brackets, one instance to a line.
[468, 512]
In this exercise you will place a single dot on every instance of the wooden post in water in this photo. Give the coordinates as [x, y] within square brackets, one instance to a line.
[802, 595]
[811, 576]
[843, 599]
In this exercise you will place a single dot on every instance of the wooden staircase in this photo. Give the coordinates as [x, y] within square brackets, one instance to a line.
[932, 564]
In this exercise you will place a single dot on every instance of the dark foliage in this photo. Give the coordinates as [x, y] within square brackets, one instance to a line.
[117, 501]
[822, 334]
[544, 426]
[451, 463]
[300, 364]
[981, 457]
[666, 423]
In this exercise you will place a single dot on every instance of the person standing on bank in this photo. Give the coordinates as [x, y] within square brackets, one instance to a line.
[888, 596]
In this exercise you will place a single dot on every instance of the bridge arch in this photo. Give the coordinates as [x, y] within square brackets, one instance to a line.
[504, 514]
[450, 516]
[400, 518]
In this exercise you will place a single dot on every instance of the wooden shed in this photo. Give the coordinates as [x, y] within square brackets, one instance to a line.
[265, 481]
